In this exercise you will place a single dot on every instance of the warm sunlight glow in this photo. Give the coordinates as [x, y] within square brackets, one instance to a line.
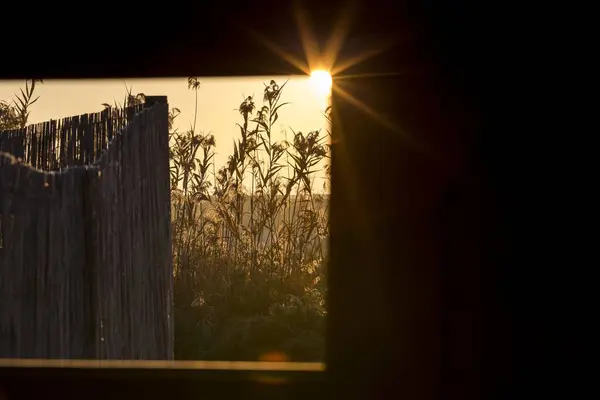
[321, 82]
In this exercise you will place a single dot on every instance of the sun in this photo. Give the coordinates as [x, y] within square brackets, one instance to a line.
[321, 82]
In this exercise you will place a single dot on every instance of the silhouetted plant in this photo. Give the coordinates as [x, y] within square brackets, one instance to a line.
[14, 114]
[250, 254]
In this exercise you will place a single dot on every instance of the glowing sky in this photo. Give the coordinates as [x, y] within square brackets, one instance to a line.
[218, 99]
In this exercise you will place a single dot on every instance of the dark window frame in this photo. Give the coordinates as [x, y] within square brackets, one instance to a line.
[396, 311]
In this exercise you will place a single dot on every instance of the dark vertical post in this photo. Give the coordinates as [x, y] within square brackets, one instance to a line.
[90, 275]
[162, 129]
[151, 100]
[160, 119]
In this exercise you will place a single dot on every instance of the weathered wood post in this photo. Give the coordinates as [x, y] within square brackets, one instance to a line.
[151, 100]
[91, 329]
[163, 162]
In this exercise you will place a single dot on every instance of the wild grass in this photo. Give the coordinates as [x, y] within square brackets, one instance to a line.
[249, 241]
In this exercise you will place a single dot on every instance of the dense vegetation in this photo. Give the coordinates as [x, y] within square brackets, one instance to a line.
[249, 238]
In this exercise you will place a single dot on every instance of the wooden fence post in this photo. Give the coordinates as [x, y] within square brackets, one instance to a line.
[151, 100]
[90, 272]
[163, 141]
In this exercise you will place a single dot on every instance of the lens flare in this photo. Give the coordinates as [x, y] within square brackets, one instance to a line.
[321, 82]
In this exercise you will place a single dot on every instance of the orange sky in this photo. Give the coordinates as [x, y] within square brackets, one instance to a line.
[218, 99]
